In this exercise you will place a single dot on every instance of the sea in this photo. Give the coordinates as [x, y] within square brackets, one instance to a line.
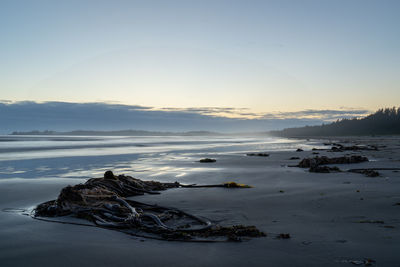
[50, 156]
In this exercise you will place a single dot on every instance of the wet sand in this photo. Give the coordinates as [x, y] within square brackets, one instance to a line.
[321, 212]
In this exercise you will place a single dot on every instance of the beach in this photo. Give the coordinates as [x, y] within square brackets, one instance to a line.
[333, 219]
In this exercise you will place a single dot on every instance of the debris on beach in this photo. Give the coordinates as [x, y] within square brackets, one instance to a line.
[258, 154]
[299, 150]
[324, 169]
[207, 160]
[310, 162]
[341, 148]
[226, 184]
[236, 185]
[283, 236]
[372, 172]
[294, 158]
[314, 164]
[365, 262]
[103, 202]
[371, 221]
[366, 172]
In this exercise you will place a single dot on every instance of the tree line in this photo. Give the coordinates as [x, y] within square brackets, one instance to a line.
[385, 121]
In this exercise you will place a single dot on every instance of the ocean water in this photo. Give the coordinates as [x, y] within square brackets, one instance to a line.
[89, 156]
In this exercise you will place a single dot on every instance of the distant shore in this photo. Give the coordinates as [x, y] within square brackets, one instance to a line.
[117, 133]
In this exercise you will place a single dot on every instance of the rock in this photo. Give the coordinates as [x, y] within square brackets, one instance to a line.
[293, 158]
[258, 154]
[335, 149]
[340, 148]
[318, 149]
[207, 160]
[366, 172]
[283, 236]
[372, 221]
[324, 169]
[109, 175]
[299, 150]
[312, 162]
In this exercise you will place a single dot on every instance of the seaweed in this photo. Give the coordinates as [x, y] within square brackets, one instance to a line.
[103, 202]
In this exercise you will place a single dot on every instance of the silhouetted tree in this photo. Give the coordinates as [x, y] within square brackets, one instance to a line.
[383, 122]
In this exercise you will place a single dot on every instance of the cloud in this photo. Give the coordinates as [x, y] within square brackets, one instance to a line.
[64, 116]
[214, 111]
[324, 114]
[245, 113]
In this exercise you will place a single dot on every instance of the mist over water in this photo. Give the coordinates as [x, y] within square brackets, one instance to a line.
[89, 156]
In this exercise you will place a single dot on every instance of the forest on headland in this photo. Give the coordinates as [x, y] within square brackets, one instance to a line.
[385, 121]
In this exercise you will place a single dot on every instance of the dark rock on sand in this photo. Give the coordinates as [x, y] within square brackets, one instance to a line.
[324, 169]
[318, 149]
[109, 175]
[283, 236]
[312, 162]
[315, 163]
[366, 172]
[335, 149]
[258, 154]
[299, 150]
[341, 148]
[371, 221]
[207, 160]
[293, 158]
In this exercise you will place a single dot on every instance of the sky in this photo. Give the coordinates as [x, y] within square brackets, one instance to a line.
[253, 58]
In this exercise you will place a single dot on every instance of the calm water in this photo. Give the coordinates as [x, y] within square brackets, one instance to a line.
[86, 156]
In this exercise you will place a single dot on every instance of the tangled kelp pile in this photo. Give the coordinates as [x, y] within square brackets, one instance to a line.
[104, 202]
[312, 162]
[315, 164]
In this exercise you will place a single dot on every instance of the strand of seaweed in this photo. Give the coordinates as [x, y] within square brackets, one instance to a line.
[125, 232]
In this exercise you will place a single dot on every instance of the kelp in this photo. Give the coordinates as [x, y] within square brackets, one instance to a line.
[104, 202]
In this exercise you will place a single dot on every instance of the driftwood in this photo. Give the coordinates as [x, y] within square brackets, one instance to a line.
[103, 202]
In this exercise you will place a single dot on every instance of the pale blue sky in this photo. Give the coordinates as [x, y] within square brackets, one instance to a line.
[267, 56]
